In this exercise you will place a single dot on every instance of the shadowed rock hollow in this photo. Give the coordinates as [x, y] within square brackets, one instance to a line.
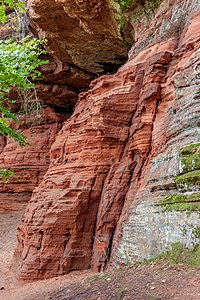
[83, 33]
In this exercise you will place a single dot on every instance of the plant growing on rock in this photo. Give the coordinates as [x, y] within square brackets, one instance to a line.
[18, 67]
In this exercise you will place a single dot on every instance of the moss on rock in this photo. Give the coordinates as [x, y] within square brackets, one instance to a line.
[146, 6]
[188, 179]
[180, 254]
[190, 149]
[125, 4]
[196, 232]
[181, 202]
[190, 157]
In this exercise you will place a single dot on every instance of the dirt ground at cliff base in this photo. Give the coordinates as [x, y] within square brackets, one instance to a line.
[155, 281]
[8, 229]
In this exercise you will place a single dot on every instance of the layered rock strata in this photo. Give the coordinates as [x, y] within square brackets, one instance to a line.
[55, 93]
[60, 84]
[29, 162]
[117, 156]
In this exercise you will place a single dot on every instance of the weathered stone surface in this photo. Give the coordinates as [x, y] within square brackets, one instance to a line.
[63, 74]
[60, 84]
[112, 157]
[83, 33]
[29, 162]
[149, 229]
[58, 87]
[61, 98]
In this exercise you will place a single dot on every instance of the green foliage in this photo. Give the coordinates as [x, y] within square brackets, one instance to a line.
[6, 175]
[190, 157]
[16, 5]
[181, 202]
[179, 254]
[18, 66]
[19, 62]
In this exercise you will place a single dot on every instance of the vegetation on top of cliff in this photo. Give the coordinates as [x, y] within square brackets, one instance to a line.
[133, 11]
[145, 6]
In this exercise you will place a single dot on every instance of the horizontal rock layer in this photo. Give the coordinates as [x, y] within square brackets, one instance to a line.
[29, 162]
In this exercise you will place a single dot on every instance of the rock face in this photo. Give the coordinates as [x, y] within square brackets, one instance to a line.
[118, 155]
[57, 92]
[82, 33]
[60, 84]
[29, 162]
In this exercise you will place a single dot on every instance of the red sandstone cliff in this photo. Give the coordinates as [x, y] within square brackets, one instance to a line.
[29, 162]
[103, 161]
[41, 113]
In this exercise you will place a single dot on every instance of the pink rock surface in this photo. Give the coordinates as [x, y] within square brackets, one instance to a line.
[29, 162]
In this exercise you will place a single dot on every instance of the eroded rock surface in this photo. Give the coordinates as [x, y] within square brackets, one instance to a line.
[83, 33]
[102, 166]
[29, 162]
[60, 84]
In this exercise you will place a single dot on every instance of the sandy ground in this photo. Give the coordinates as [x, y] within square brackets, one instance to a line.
[9, 288]
[156, 281]
[8, 228]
